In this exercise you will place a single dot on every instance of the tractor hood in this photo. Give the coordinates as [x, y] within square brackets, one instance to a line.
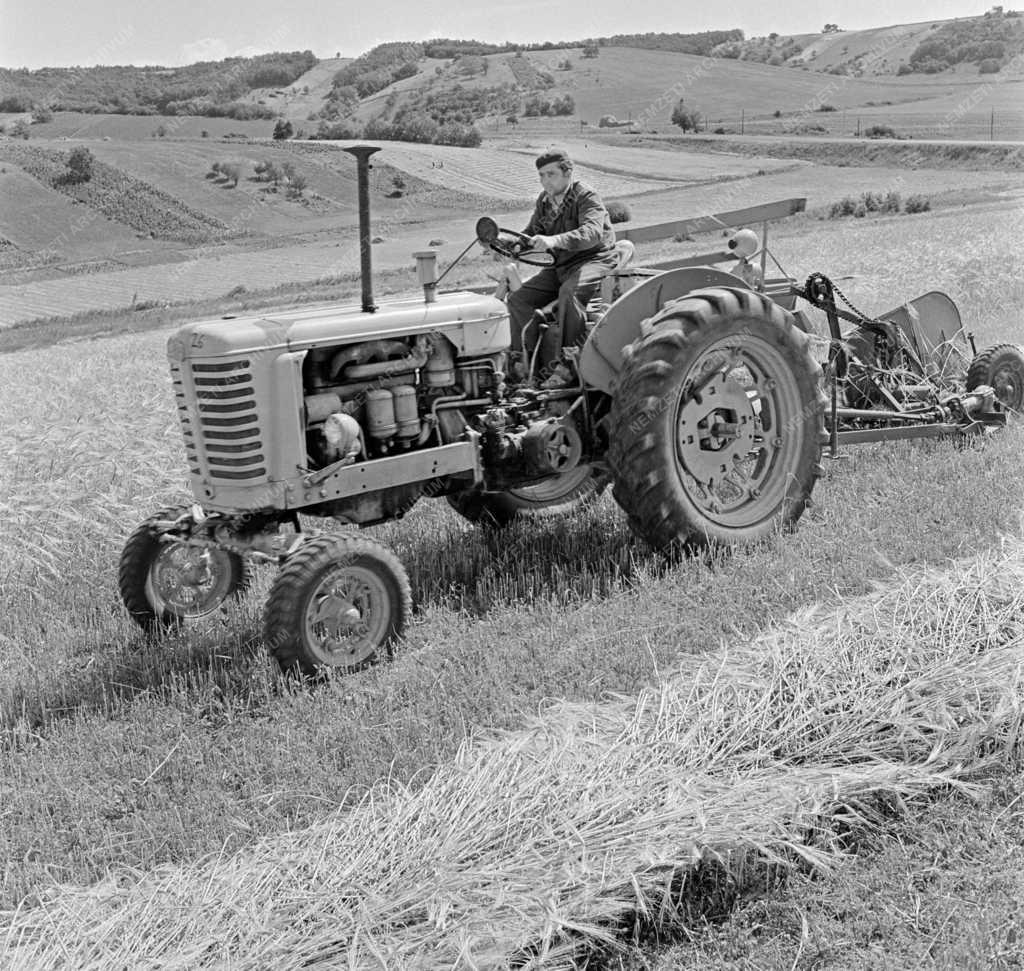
[475, 324]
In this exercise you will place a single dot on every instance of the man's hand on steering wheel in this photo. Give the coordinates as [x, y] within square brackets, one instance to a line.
[542, 243]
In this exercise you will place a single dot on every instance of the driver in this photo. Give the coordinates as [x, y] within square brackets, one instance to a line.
[570, 221]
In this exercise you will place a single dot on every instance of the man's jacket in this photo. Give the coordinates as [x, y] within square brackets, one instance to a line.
[580, 224]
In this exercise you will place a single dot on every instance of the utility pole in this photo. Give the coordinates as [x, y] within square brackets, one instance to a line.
[743, 119]
[992, 126]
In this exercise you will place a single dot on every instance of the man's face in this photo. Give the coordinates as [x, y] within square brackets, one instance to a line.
[553, 179]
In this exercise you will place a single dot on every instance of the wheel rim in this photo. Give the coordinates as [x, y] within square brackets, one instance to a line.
[1008, 384]
[738, 431]
[347, 616]
[555, 488]
[186, 581]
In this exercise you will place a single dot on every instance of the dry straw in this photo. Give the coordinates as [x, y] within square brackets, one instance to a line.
[528, 849]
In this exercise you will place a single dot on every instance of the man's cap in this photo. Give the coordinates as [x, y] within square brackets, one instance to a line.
[553, 155]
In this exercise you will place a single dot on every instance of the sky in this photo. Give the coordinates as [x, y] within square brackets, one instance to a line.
[64, 33]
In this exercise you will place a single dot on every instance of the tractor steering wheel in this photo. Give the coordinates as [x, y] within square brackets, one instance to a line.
[510, 244]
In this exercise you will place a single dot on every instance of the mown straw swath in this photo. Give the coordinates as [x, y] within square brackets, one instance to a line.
[529, 848]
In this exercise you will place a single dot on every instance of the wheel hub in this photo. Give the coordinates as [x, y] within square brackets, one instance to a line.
[716, 429]
[187, 580]
[347, 616]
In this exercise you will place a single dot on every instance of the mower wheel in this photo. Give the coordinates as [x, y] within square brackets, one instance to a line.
[165, 581]
[717, 421]
[1002, 368]
[553, 497]
[339, 602]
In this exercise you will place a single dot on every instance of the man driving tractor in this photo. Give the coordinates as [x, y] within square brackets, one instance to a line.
[570, 221]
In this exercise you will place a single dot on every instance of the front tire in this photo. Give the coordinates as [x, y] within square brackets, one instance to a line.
[339, 602]
[555, 496]
[164, 581]
[1002, 368]
[717, 421]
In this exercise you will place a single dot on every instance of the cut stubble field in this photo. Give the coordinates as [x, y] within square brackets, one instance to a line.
[123, 754]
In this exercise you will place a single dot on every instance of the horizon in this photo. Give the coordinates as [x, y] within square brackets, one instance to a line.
[135, 34]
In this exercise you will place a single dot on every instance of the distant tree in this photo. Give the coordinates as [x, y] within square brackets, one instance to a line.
[79, 165]
[41, 115]
[160, 131]
[684, 118]
[283, 130]
[830, 29]
[590, 49]
[989, 66]
[205, 133]
[512, 120]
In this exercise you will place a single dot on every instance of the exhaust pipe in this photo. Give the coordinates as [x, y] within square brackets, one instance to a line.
[362, 154]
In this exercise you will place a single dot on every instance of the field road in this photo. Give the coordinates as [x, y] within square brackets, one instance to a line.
[215, 275]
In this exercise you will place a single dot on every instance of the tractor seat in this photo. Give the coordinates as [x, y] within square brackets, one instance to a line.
[624, 252]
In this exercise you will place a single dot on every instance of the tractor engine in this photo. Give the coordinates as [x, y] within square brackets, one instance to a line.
[395, 396]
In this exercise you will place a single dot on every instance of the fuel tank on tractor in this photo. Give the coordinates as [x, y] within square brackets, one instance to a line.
[238, 385]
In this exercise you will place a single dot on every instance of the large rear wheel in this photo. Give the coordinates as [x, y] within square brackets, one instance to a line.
[717, 421]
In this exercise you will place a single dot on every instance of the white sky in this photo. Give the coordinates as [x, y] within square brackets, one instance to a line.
[59, 33]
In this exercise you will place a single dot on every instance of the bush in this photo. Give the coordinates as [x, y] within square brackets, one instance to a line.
[891, 202]
[267, 171]
[868, 202]
[917, 204]
[338, 130]
[79, 165]
[618, 212]
[41, 114]
[989, 66]
[880, 131]
[826, 107]
[231, 171]
[845, 207]
[283, 130]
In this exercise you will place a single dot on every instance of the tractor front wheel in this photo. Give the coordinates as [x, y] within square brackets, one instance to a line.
[339, 602]
[717, 421]
[1002, 369]
[164, 580]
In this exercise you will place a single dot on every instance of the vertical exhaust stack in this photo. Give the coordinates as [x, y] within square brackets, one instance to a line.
[362, 154]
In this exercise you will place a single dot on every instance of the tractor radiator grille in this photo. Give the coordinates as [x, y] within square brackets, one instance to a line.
[187, 429]
[229, 428]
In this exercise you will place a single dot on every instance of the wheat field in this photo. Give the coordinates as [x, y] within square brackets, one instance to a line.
[189, 755]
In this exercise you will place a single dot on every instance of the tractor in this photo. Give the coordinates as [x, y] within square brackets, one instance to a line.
[706, 397]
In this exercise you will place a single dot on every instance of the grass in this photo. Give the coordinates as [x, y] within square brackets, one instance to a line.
[538, 845]
[937, 887]
[124, 755]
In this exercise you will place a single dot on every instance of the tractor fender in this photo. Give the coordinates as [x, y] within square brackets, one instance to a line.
[601, 357]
